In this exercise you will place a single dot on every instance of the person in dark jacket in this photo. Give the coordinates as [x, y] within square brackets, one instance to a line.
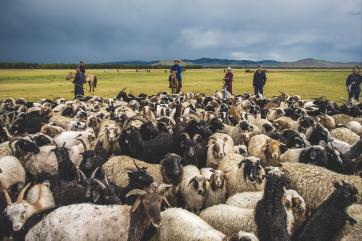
[353, 84]
[82, 67]
[178, 69]
[259, 80]
[78, 83]
[228, 81]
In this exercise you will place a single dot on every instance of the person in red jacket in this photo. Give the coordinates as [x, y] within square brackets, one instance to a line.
[228, 80]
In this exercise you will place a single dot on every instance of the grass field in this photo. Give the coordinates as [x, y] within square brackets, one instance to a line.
[36, 84]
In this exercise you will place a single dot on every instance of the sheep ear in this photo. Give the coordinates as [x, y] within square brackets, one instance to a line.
[241, 163]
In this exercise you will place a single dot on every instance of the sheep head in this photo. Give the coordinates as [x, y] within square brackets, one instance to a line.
[199, 184]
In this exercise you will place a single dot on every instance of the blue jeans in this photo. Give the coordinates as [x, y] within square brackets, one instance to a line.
[258, 89]
[355, 95]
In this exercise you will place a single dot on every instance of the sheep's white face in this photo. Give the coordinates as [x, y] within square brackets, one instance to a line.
[199, 184]
[218, 178]
[218, 148]
[113, 133]
[18, 213]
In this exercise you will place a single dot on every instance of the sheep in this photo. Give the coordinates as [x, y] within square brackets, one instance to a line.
[241, 150]
[326, 121]
[38, 199]
[242, 127]
[108, 137]
[216, 189]
[181, 225]
[61, 121]
[343, 119]
[11, 171]
[326, 221]
[315, 183]
[313, 154]
[355, 126]
[344, 134]
[228, 219]
[244, 199]
[76, 125]
[352, 232]
[242, 173]
[267, 149]
[96, 222]
[193, 188]
[5, 149]
[51, 130]
[219, 146]
[70, 138]
[285, 122]
[275, 113]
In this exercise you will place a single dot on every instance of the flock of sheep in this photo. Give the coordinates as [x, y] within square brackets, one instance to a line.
[180, 167]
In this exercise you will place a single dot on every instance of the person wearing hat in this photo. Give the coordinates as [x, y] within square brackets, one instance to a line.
[353, 84]
[178, 69]
[82, 67]
[228, 80]
[259, 80]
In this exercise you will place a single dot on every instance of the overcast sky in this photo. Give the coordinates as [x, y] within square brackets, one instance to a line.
[112, 30]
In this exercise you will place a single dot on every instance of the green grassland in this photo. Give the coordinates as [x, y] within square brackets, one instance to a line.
[45, 83]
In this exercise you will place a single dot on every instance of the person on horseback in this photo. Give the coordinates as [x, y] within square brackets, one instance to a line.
[178, 70]
[78, 83]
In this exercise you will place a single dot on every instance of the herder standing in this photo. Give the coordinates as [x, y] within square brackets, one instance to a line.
[228, 80]
[78, 83]
[353, 84]
[259, 80]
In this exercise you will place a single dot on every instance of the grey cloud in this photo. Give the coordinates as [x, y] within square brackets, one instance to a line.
[108, 30]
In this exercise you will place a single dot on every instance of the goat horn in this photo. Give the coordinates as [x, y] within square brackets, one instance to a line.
[83, 143]
[172, 121]
[22, 193]
[7, 197]
[136, 192]
[126, 123]
[106, 180]
[82, 174]
[101, 184]
[11, 142]
[94, 173]
[134, 162]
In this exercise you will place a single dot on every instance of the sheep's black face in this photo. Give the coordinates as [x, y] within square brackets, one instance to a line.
[344, 195]
[62, 154]
[27, 146]
[140, 178]
[199, 184]
[171, 168]
[334, 158]
[149, 131]
[216, 124]
[306, 122]
[296, 142]
[244, 126]
[251, 170]
[254, 110]
[267, 127]
[315, 155]
[41, 140]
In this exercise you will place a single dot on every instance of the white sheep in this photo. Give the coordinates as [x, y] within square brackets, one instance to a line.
[244, 199]
[85, 222]
[275, 113]
[242, 173]
[11, 171]
[315, 183]
[71, 138]
[219, 146]
[355, 126]
[181, 225]
[108, 135]
[193, 188]
[51, 130]
[216, 189]
[344, 134]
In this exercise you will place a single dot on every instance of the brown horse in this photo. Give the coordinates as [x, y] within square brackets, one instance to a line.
[91, 79]
[173, 82]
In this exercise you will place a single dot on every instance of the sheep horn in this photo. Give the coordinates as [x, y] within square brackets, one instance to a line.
[134, 162]
[83, 143]
[136, 192]
[22, 193]
[172, 121]
[101, 184]
[94, 173]
[126, 123]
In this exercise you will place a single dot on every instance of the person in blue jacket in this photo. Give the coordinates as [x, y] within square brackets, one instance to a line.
[353, 84]
[78, 83]
[177, 67]
[259, 80]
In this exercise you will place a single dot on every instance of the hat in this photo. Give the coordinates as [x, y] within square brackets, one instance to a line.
[228, 68]
[259, 65]
[177, 60]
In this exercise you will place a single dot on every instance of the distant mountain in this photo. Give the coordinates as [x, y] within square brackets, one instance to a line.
[214, 62]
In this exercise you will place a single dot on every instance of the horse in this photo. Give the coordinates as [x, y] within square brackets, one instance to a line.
[91, 79]
[173, 82]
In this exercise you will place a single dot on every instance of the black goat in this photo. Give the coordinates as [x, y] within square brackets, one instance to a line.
[194, 127]
[171, 169]
[326, 222]
[270, 214]
[149, 131]
[29, 123]
[66, 168]
[187, 148]
[91, 160]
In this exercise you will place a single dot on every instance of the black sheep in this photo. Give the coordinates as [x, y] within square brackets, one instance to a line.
[329, 218]
[66, 168]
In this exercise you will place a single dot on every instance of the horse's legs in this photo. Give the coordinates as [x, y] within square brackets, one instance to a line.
[90, 86]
